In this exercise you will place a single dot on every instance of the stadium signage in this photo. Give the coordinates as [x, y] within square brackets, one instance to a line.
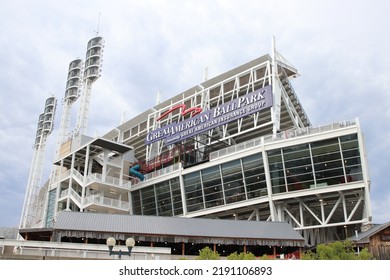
[230, 111]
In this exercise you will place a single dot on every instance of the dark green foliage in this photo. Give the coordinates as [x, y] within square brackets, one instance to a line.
[337, 251]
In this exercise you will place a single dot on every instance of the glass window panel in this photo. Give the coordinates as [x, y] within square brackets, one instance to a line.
[351, 155]
[212, 186]
[50, 208]
[136, 201]
[327, 162]
[233, 182]
[255, 181]
[148, 201]
[193, 191]
[299, 173]
[176, 197]
[163, 195]
[276, 171]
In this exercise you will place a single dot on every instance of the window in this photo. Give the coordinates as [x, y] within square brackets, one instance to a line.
[299, 171]
[254, 176]
[126, 134]
[50, 208]
[233, 182]
[163, 197]
[351, 157]
[134, 130]
[193, 191]
[385, 235]
[142, 126]
[148, 201]
[136, 200]
[328, 167]
[212, 186]
[276, 171]
[176, 197]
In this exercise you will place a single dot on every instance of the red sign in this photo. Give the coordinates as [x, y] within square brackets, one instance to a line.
[184, 111]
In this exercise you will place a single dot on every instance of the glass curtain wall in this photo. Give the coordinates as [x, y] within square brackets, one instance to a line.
[162, 199]
[318, 164]
[50, 208]
[227, 183]
[311, 165]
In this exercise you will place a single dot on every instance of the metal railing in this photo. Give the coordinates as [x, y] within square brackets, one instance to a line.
[107, 202]
[161, 172]
[96, 177]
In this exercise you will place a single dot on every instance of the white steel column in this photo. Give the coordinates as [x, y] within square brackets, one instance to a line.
[367, 213]
[86, 167]
[277, 96]
[269, 182]
[182, 191]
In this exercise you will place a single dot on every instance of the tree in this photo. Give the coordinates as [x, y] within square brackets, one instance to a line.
[207, 254]
[337, 251]
[241, 256]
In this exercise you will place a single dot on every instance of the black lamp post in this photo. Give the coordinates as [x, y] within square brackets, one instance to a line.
[111, 243]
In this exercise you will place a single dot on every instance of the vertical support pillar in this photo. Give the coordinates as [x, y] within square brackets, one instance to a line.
[182, 192]
[86, 173]
[276, 90]
[58, 177]
[367, 212]
[268, 181]
[70, 181]
[104, 169]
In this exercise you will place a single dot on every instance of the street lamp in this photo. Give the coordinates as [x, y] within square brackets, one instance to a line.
[357, 245]
[111, 243]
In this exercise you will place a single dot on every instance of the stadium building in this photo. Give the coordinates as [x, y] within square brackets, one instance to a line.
[238, 146]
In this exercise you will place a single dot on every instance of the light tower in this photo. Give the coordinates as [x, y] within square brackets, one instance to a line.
[92, 71]
[72, 92]
[45, 127]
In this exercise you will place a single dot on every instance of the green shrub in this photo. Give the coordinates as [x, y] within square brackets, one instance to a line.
[337, 251]
[207, 254]
[241, 256]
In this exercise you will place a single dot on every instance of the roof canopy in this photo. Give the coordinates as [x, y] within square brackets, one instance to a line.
[173, 229]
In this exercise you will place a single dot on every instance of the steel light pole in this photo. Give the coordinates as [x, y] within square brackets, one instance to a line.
[357, 245]
[130, 242]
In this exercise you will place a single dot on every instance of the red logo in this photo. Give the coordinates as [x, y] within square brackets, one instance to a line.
[184, 111]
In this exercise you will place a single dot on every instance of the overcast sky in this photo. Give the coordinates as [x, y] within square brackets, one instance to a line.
[340, 48]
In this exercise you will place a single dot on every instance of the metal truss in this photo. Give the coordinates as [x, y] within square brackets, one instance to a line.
[319, 216]
[206, 97]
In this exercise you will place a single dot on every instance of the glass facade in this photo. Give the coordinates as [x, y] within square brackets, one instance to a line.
[305, 166]
[50, 208]
[317, 164]
[162, 199]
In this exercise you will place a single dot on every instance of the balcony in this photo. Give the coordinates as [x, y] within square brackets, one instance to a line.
[114, 182]
[105, 202]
